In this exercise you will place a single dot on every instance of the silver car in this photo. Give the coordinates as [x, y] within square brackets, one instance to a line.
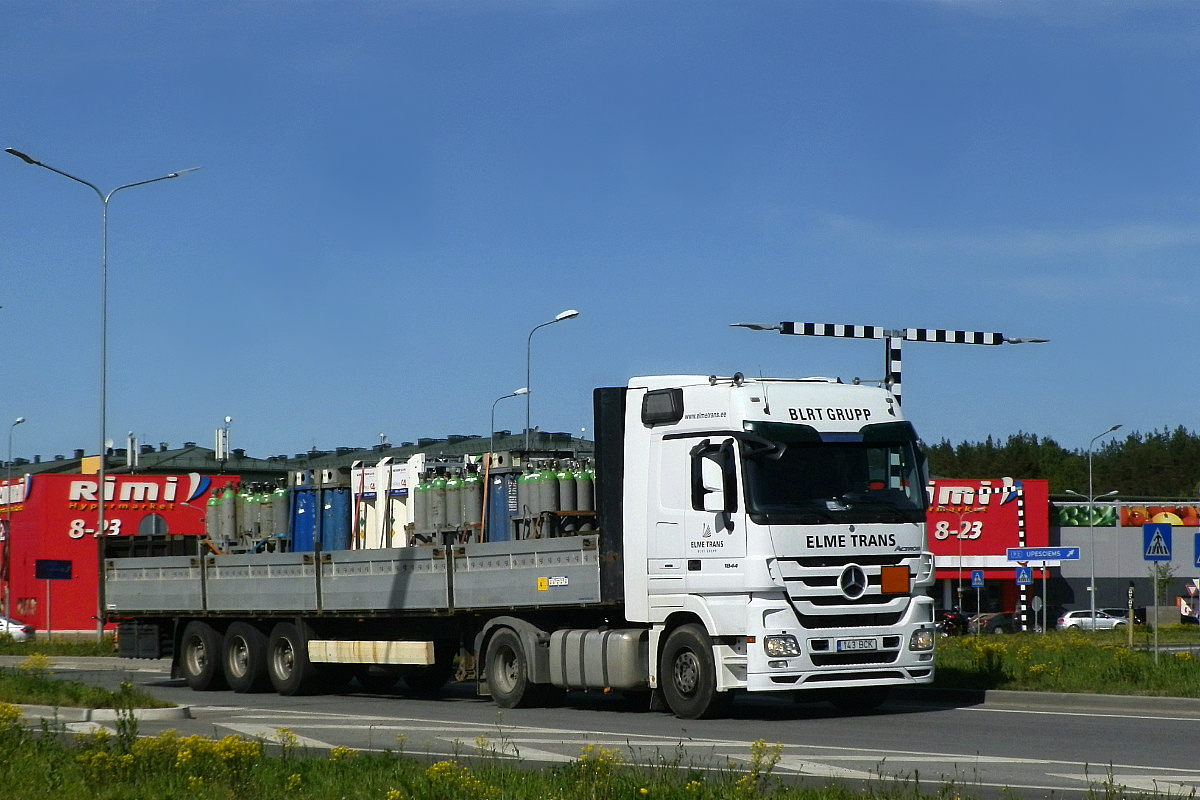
[19, 631]
[1085, 621]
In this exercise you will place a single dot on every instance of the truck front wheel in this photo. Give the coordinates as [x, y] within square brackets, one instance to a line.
[200, 657]
[288, 666]
[244, 656]
[688, 675]
[508, 671]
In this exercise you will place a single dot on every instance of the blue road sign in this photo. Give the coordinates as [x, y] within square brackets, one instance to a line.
[45, 569]
[1024, 576]
[1043, 554]
[977, 577]
[1156, 541]
[1197, 538]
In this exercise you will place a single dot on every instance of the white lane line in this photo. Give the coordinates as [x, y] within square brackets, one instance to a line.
[1090, 714]
[270, 735]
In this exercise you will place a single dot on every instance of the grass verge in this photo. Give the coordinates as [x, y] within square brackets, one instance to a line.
[40, 764]
[1069, 661]
[32, 683]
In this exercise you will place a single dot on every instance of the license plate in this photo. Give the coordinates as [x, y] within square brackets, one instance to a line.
[855, 644]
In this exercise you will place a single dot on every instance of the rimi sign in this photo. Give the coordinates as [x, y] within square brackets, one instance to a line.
[54, 523]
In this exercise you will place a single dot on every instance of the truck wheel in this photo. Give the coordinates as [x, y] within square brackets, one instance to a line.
[688, 676]
[200, 657]
[288, 666]
[244, 657]
[508, 671]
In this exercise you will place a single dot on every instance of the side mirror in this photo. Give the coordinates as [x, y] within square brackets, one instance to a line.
[714, 479]
[712, 482]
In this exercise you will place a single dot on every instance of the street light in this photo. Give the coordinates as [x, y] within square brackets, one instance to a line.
[492, 429]
[104, 198]
[1092, 498]
[8, 497]
[568, 314]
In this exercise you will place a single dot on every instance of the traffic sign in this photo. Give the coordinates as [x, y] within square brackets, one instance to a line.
[1024, 576]
[1156, 541]
[1197, 539]
[45, 569]
[1043, 554]
[976, 579]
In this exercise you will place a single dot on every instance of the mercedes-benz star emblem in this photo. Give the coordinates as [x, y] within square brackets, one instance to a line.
[853, 582]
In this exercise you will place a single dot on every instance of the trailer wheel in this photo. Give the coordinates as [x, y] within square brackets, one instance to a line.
[244, 657]
[688, 675]
[288, 666]
[508, 671]
[200, 657]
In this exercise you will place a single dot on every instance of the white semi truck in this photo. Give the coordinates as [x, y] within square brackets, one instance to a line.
[747, 536]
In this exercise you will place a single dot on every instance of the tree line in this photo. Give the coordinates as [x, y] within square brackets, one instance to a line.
[1160, 464]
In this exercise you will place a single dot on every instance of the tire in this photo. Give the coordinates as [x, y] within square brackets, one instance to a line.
[200, 657]
[859, 701]
[508, 671]
[288, 666]
[244, 658]
[999, 629]
[688, 676]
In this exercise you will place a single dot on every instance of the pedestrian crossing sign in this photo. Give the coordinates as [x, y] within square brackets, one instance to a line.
[1156, 541]
[1024, 576]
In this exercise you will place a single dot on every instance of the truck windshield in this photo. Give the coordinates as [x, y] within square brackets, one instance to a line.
[796, 475]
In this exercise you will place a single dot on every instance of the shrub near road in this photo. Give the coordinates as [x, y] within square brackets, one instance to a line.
[1069, 661]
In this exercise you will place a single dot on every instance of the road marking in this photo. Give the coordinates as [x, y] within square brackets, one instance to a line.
[270, 735]
[1166, 785]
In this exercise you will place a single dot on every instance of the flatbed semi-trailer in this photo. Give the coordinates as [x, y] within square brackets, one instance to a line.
[746, 536]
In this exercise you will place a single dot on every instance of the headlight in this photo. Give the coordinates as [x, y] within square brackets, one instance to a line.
[921, 639]
[781, 646]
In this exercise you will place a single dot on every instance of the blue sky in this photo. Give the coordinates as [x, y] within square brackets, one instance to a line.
[394, 194]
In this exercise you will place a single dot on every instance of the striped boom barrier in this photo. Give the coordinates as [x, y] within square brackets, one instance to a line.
[893, 340]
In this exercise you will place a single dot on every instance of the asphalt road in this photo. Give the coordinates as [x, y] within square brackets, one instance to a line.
[1033, 744]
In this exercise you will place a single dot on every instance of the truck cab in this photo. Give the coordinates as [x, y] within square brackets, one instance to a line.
[774, 538]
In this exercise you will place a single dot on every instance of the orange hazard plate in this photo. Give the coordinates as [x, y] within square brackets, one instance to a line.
[894, 580]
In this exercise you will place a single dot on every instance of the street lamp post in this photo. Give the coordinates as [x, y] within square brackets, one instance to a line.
[568, 314]
[492, 429]
[104, 198]
[8, 504]
[1092, 498]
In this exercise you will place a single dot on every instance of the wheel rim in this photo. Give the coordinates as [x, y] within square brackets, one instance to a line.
[687, 672]
[197, 656]
[507, 670]
[284, 659]
[239, 657]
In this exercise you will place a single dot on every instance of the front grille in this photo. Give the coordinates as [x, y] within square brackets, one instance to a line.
[858, 620]
[813, 589]
[847, 659]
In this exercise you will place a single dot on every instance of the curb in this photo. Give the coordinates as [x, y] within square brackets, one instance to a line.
[1124, 702]
[65, 714]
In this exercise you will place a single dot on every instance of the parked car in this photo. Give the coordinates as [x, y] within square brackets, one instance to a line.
[996, 622]
[1084, 621]
[19, 631]
[1139, 614]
